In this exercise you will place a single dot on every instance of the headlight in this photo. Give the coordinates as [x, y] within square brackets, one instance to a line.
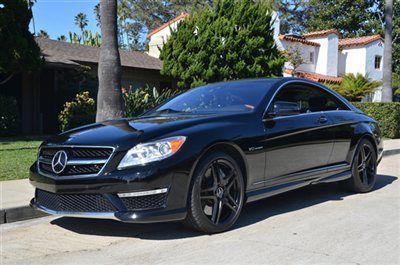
[152, 151]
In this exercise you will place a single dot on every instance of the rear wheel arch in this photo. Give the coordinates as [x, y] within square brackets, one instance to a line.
[370, 138]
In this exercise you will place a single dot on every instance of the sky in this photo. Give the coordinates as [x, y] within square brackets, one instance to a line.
[57, 16]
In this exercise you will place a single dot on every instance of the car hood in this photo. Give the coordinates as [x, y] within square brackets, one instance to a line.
[124, 133]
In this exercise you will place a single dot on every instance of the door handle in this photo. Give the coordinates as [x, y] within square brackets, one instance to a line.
[322, 119]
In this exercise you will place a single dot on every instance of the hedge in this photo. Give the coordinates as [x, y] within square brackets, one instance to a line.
[387, 114]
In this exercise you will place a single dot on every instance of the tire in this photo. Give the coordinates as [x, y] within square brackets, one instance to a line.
[216, 194]
[363, 168]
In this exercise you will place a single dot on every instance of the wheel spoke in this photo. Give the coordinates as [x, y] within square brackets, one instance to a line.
[214, 171]
[231, 207]
[207, 190]
[232, 201]
[365, 176]
[368, 157]
[362, 151]
[211, 197]
[214, 212]
[219, 212]
[230, 180]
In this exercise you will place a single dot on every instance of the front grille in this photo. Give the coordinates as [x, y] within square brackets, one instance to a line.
[145, 202]
[94, 159]
[73, 202]
[91, 152]
[77, 152]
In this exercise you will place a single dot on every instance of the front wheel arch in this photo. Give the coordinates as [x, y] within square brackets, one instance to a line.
[230, 149]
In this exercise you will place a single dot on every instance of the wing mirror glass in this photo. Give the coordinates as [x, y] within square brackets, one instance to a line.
[283, 108]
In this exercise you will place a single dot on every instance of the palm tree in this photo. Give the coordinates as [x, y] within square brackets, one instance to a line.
[62, 38]
[81, 21]
[43, 34]
[387, 90]
[96, 11]
[356, 87]
[109, 98]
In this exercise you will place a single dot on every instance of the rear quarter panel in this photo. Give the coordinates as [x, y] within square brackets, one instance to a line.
[349, 128]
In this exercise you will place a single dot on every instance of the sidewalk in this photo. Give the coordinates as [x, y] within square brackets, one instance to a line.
[15, 195]
[391, 147]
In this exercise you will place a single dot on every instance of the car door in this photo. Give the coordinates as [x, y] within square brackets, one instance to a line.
[297, 145]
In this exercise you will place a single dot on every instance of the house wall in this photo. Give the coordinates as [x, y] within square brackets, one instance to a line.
[373, 49]
[355, 60]
[133, 78]
[308, 66]
[138, 78]
[42, 94]
[327, 59]
[342, 58]
[158, 39]
[276, 25]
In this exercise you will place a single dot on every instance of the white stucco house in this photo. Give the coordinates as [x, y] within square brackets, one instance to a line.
[327, 56]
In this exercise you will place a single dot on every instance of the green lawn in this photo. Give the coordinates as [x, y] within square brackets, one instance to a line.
[16, 156]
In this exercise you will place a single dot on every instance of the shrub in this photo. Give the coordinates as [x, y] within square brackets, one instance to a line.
[226, 41]
[80, 111]
[387, 114]
[9, 116]
[142, 99]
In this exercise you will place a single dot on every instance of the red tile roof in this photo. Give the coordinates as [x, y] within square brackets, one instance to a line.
[321, 33]
[360, 41]
[163, 26]
[316, 77]
[300, 39]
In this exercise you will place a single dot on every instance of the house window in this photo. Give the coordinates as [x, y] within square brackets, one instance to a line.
[378, 60]
[311, 57]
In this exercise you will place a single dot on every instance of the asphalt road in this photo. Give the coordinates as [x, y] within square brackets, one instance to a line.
[315, 225]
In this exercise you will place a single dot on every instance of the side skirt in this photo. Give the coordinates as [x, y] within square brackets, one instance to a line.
[327, 175]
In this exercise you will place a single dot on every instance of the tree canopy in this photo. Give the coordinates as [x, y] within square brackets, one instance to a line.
[19, 50]
[138, 17]
[231, 40]
[352, 18]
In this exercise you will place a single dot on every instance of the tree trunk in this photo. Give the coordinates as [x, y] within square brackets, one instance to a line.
[387, 91]
[109, 99]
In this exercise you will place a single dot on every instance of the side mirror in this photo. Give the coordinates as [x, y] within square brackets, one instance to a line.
[282, 108]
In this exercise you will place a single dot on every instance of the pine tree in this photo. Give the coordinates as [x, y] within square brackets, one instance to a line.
[231, 40]
[351, 18]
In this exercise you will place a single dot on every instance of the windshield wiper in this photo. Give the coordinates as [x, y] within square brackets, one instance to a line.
[170, 111]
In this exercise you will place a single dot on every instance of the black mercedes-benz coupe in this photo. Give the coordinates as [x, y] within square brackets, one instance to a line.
[203, 154]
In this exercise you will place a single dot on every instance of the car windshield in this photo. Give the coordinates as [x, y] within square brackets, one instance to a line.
[219, 97]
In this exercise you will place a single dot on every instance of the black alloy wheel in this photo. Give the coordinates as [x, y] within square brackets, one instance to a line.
[364, 168]
[217, 194]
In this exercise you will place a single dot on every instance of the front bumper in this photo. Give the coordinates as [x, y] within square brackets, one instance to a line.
[149, 216]
[108, 187]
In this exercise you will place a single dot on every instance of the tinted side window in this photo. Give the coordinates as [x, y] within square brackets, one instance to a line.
[309, 99]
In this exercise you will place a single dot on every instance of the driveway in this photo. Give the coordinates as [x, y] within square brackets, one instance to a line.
[315, 225]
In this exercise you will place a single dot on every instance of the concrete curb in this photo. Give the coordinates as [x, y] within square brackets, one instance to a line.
[26, 212]
[391, 152]
[20, 213]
